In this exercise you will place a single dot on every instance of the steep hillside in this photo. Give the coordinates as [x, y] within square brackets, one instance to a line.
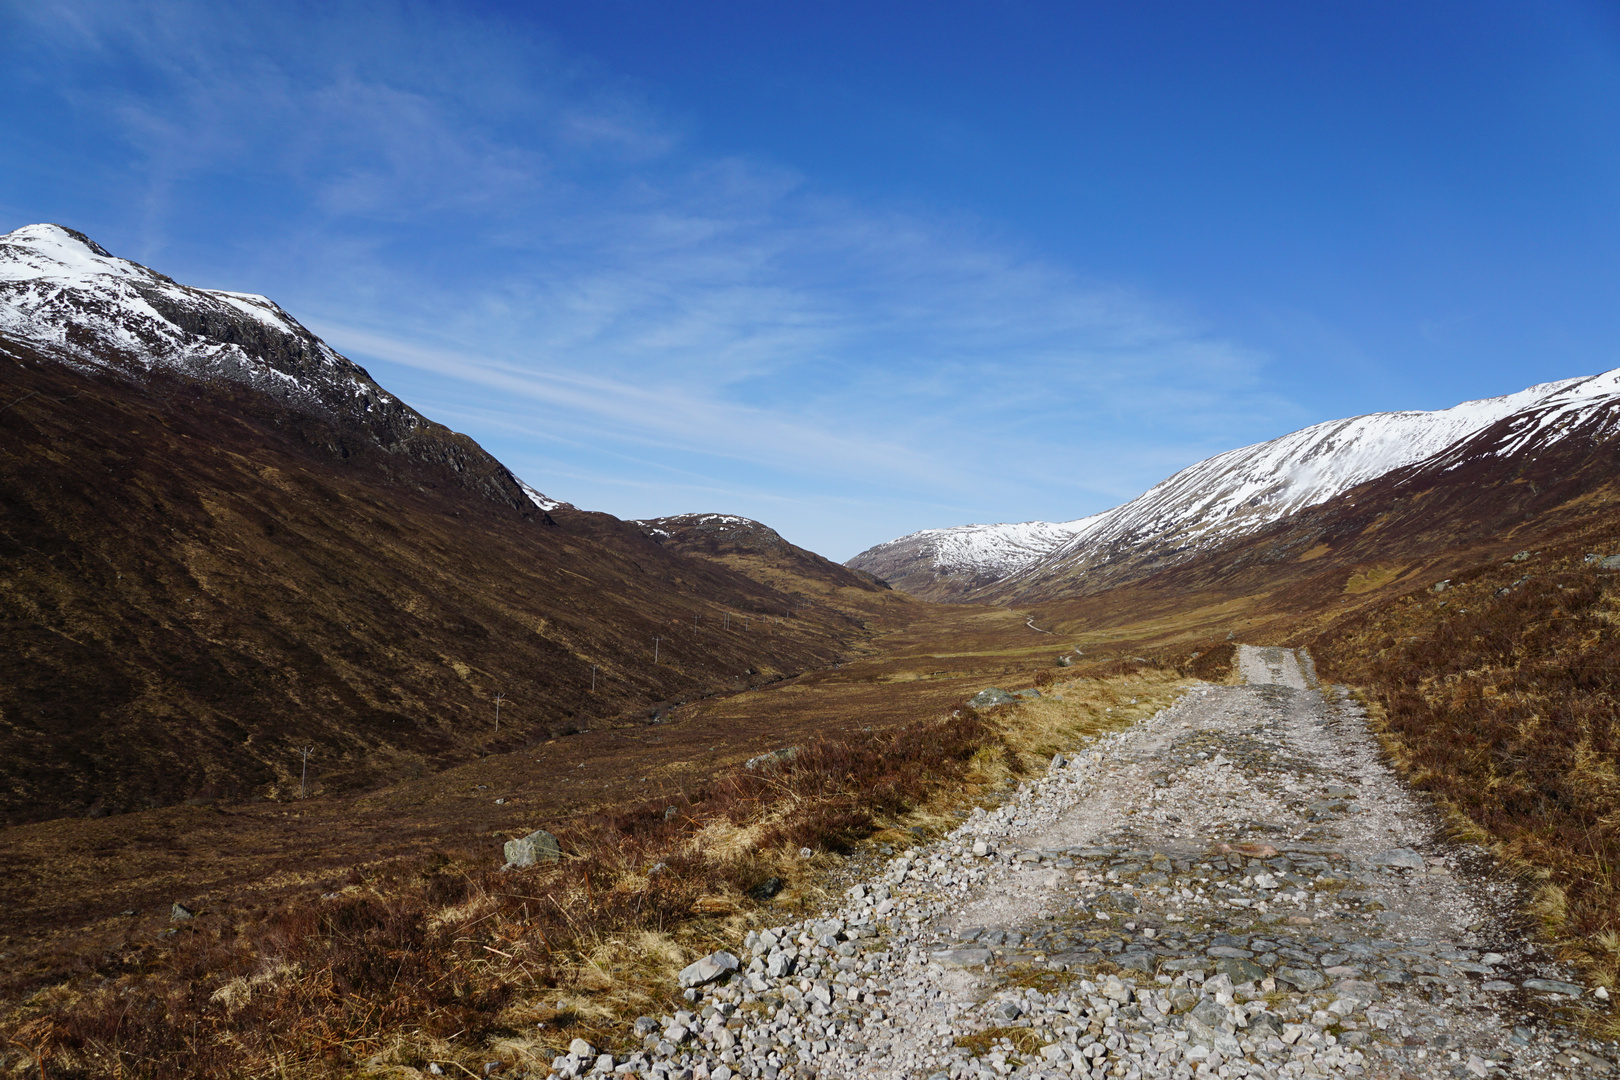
[1529, 479]
[1241, 493]
[1487, 499]
[221, 542]
[66, 298]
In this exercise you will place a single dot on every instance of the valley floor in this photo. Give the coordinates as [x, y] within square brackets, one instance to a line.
[1236, 886]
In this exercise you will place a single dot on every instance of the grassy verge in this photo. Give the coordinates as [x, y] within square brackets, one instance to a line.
[1500, 696]
[447, 959]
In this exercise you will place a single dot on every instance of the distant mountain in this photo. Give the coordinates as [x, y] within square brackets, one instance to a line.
[757, 551]
[221, 541]
[1234, 495]
[951, 564]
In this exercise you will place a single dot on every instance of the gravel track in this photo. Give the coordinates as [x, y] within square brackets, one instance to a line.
[1236, 886]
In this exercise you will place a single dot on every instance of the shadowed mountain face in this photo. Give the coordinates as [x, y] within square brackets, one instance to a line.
[220, 542]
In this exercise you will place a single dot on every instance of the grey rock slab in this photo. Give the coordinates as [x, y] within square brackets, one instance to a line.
[963, 958]
[716, 965]
[1240, 971]
[1554, 986]
[1591, 1061]
[1402, 858]
[538, 846]
[1302, 979]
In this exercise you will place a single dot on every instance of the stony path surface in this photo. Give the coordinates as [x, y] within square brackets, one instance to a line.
[1235, 887]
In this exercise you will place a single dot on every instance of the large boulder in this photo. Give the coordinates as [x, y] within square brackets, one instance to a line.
[707, 970]
[538, 846]
[990, 697]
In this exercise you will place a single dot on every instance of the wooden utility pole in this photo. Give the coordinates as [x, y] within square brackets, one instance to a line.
[303, 779]
[499, 697]
[593, 678]
[655, 650]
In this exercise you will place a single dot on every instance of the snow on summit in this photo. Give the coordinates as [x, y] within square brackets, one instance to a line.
[998, 549]
[66, 297]
[65, 293]
[1242, 490]
[55, 257]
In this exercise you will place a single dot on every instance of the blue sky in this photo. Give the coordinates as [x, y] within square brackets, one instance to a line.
[858, 269]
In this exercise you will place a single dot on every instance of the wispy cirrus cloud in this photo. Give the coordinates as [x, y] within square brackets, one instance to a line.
[524, 243]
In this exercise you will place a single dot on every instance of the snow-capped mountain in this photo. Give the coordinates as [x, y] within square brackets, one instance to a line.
[1237, 493]
[66, 297]
[62, 291]
[945, 564]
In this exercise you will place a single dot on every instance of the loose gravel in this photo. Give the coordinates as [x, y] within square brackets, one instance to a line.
[1235, 887]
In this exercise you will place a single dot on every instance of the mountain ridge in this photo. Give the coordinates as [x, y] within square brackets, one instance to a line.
[1225, 497]
[67, 297]
[757, 550]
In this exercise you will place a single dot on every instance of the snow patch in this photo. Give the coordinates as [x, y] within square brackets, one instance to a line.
[544, 502]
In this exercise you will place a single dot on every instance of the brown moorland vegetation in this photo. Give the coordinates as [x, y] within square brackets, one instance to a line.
[197, 582]
[433, 954]
[1500, 696]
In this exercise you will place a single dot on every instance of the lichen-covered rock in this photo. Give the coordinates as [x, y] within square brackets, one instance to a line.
[538, 846]
[990, 697]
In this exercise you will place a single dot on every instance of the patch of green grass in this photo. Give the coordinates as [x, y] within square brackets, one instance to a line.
[1025, 1041]
[1033, 978]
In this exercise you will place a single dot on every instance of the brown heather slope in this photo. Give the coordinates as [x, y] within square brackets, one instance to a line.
[390, 929]
[197, 580]
[1500, 695]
